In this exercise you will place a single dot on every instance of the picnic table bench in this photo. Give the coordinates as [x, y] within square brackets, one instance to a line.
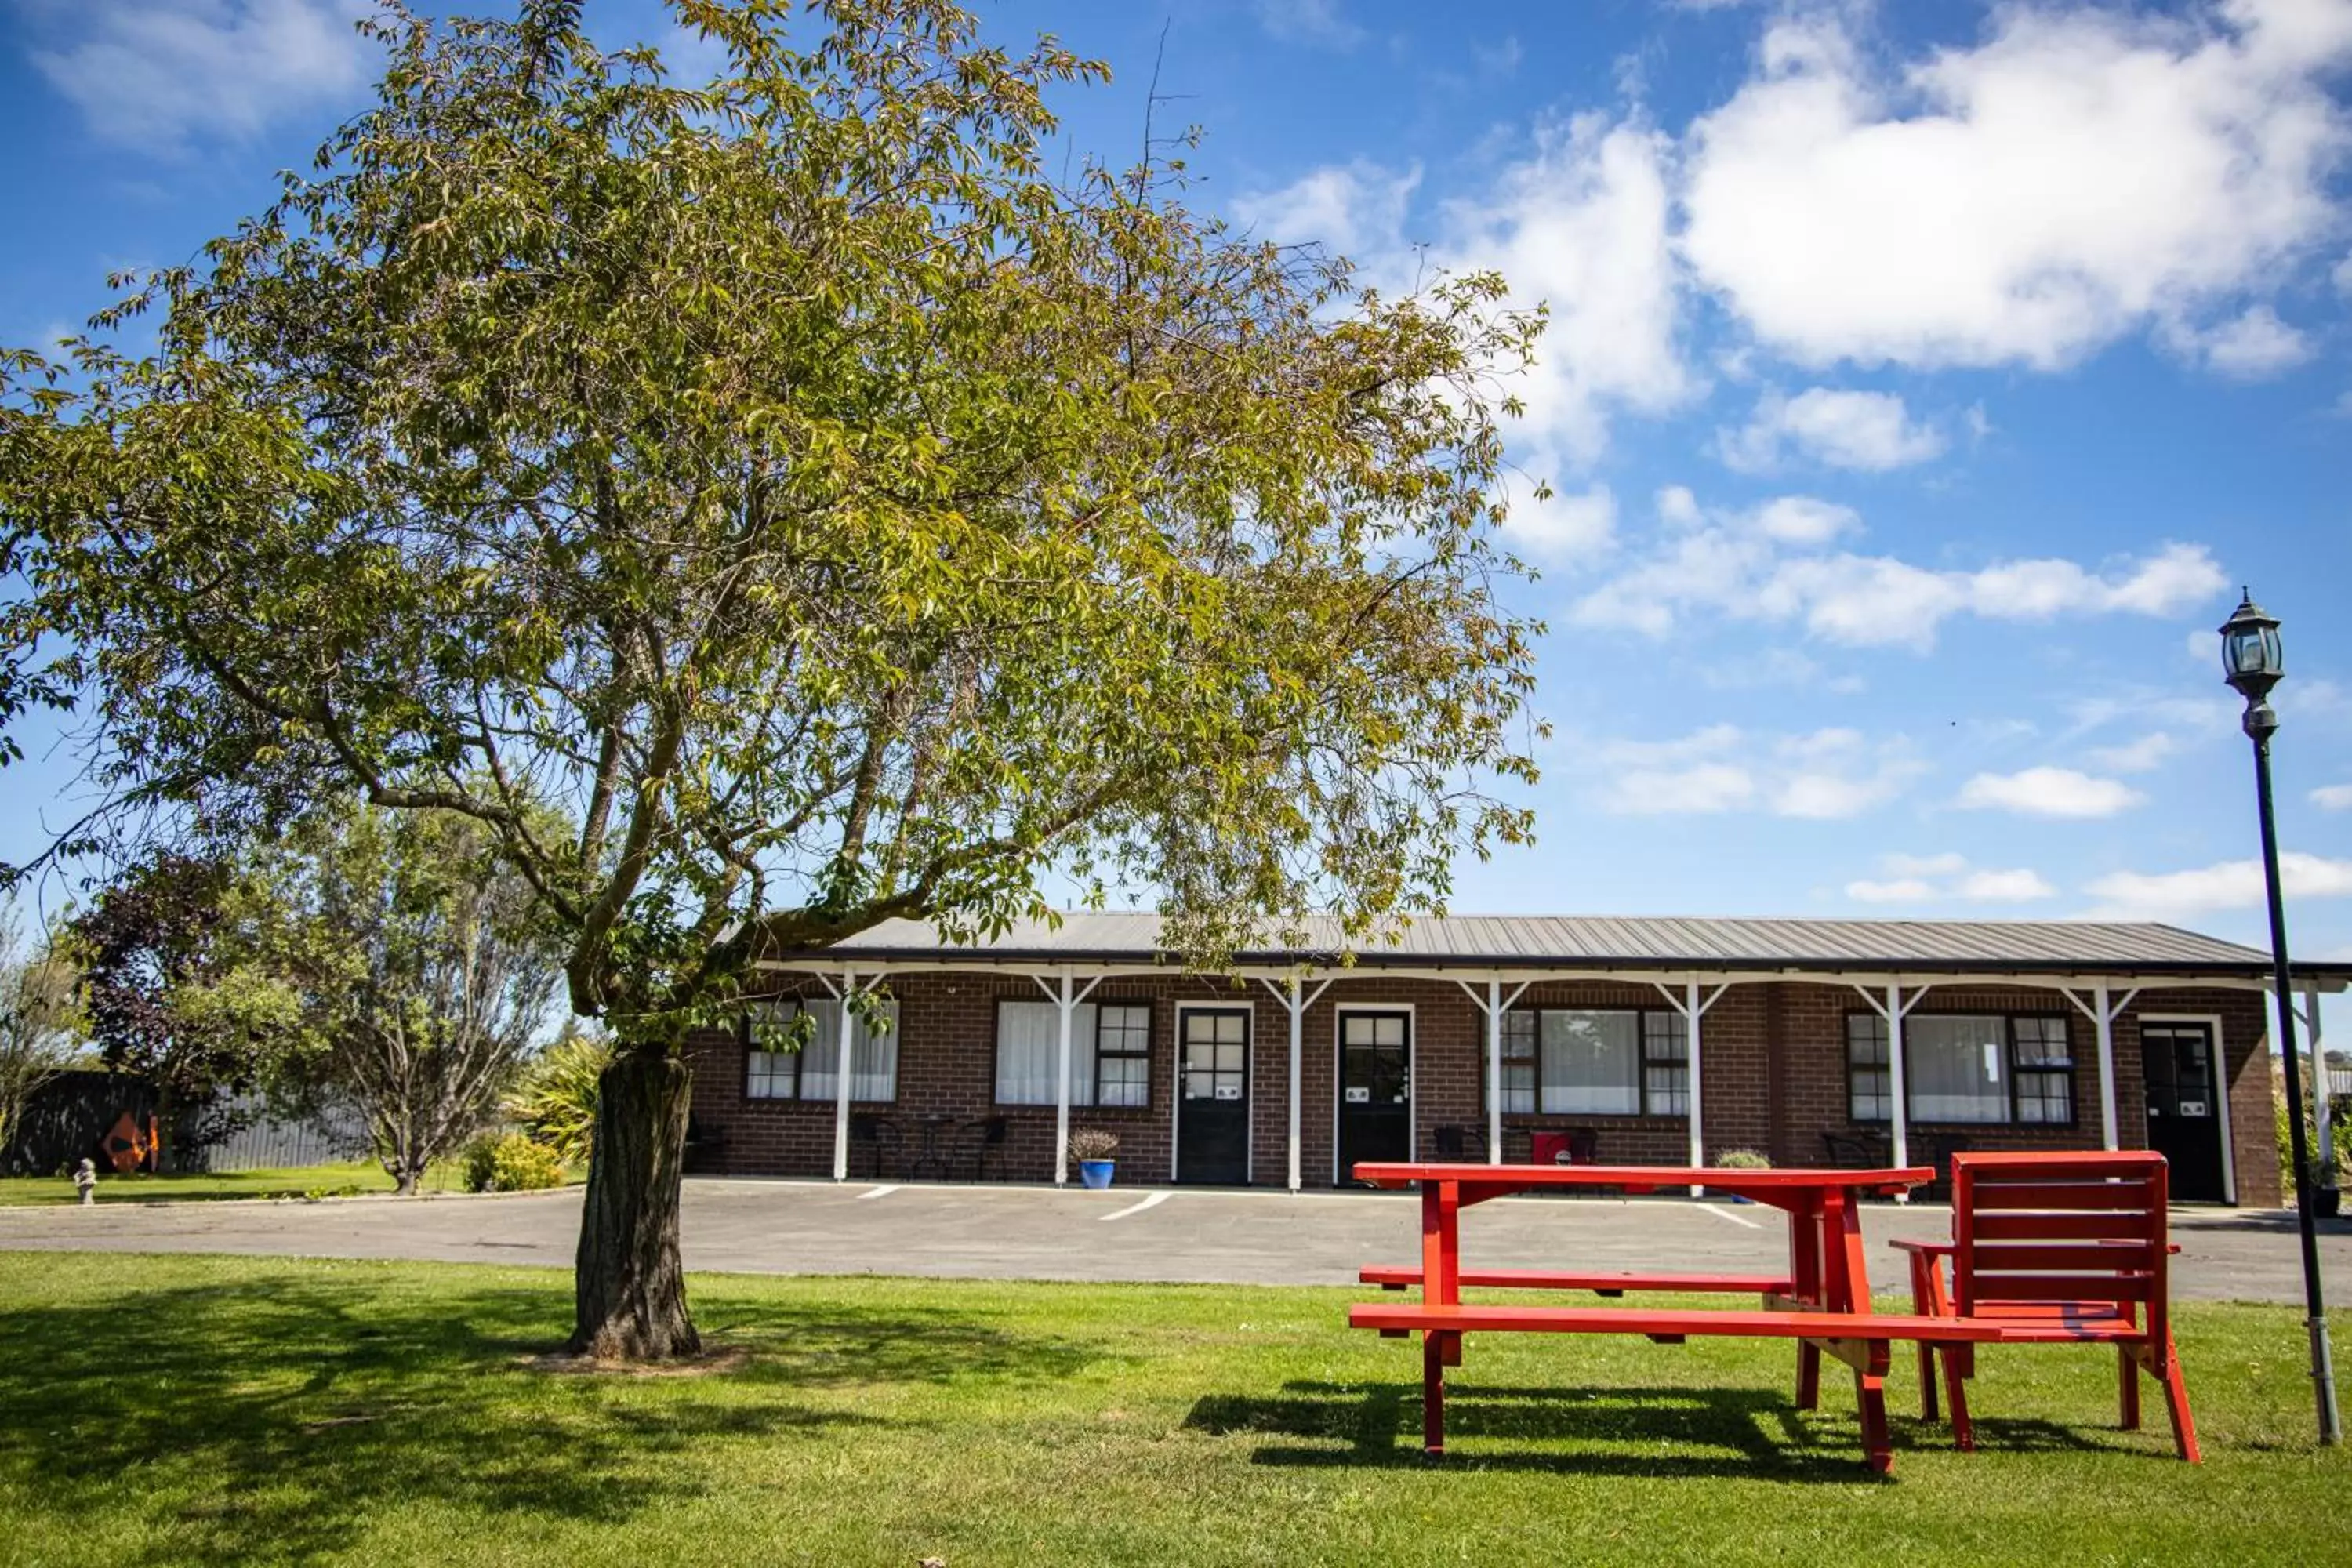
[1821, 1303]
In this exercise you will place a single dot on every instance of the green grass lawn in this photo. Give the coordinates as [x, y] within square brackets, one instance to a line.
[303, 1181]
[202, 1410]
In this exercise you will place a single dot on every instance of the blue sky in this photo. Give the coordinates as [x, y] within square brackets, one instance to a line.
[1923, 380]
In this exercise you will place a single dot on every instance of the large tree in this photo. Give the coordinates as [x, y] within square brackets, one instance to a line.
[40, 1017]
[427, 968]
[839, 509]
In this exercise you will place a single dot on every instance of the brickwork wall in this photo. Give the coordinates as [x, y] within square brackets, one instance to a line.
[1772, 1076]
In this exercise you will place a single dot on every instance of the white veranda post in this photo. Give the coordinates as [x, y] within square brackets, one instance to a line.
[843, 1040]
[1692, 1010]
[1295, 1001]
[2321, 1148]
[1899, 1112]
[1494, 1004]
[1065, 1003]
[2103, 1011]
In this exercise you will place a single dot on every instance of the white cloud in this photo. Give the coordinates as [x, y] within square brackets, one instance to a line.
[2333, 797]
[1831, 797]
[1578, 222]
[2080, 173]
[1677, 508]
[2015, 887]
[2343, 275]
[1352, 208]
[157, 73]
[1828, 775]
[1932, 878]
[1901, 891]
[2136, 756]
[2249, 347]
[1561, 525]
[2231, 885]
[1841, 429]
[1702, 789]
[2048, 792]
[1803, 519]
[1941, 864]
[1321, 23]
[1757, 566]
[2205, 648]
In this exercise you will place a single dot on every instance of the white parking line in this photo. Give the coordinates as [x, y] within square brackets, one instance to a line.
[1734, 1218]
[878, 1193]
[1154, 1201]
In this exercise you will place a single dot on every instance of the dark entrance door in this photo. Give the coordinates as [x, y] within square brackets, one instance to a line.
[1375, 1088]
[2184, 1109]
[1213, 1123]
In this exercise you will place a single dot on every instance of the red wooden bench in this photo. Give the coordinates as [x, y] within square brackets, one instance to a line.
[2061, 1249]
[1861, 1339]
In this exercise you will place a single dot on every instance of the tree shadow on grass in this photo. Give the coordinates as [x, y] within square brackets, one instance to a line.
[1695, 1432]
[283, 1418]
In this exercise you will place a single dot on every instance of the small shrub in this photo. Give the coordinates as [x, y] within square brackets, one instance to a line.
[1742, 1160]
[1093, 1143]
[521, 1163]
[475, 1164]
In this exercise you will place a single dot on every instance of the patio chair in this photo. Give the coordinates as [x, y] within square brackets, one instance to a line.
[1855, 1151]
[975, 1141]
[878, 1136]
[2057, 1249]
[705, 1146]
[1462, 1144]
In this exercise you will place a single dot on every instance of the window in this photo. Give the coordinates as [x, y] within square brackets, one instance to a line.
[1952, 1069]
[1964, 1069]
[1869, 1081]
[1122, 1073]
[1666, 1064]
[2045, 1072]
[774, 1072]
[1110, 1053]
[1520, 1063]
[1575, 1061]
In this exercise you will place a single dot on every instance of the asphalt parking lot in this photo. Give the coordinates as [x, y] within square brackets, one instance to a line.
[1133, 1234]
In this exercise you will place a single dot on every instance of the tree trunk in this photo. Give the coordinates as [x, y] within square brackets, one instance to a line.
[628, 1285]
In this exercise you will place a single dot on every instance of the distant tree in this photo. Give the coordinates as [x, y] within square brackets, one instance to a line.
[40, 1017]
[182, 983]
[836, 515]
[427, 967]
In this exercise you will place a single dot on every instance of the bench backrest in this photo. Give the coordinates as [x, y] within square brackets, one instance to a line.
[2052, 1231]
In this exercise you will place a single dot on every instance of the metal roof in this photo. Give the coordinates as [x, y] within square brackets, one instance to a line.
[1634, 942]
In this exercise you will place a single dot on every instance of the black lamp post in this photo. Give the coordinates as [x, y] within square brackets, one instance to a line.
[2252, 662]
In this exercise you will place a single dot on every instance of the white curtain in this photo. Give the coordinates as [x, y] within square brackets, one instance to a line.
[1029, 1048]
[873, 1063]
[1591, 1063]
[1953, 1069]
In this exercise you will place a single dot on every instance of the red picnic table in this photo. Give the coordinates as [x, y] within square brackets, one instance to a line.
[1822, 1302]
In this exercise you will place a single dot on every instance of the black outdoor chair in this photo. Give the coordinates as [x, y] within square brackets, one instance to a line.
[975, 1141]
[1937, 1150]
[878, 1136]
[1459, 1144]
[1855, 1151]
[704, 1147]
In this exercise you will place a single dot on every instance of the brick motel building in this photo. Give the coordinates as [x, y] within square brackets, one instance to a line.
[1632, 1041]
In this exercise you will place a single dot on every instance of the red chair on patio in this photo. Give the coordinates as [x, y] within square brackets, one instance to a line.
[2061, 1249]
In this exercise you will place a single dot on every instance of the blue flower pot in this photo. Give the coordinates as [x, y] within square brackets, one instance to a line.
[1095, 1174]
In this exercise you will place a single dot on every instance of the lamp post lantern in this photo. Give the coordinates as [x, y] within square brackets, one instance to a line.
[2252, 662]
